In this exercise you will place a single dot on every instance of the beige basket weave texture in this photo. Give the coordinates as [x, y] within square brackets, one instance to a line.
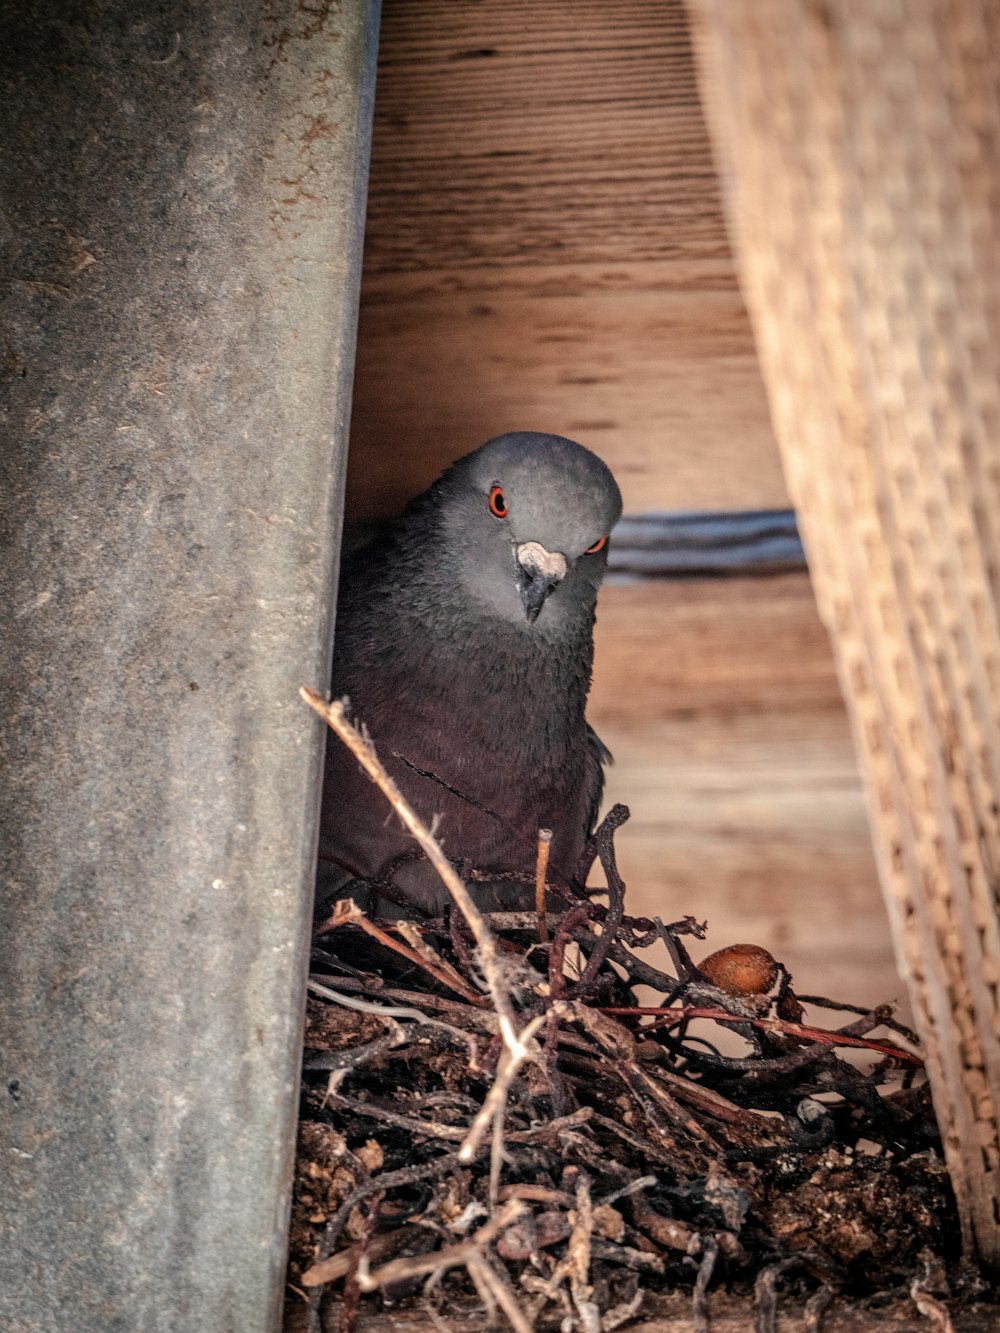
[859, 142]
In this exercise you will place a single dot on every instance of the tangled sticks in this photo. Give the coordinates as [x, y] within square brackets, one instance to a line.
[496, 1118]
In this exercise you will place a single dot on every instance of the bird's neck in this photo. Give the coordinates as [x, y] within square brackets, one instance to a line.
[434, 661]
[487, 655]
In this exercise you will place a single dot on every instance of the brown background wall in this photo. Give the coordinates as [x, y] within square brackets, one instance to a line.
[546, 250]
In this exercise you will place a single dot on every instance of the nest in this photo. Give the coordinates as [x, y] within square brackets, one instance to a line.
[521, 1112]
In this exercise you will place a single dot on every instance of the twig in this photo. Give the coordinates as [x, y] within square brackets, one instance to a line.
[537, 1194]
[462, 952]
[340, 1063]
[417, 951]
[679, 956]
[699, 1297]
[613, 820]
[352, 1288]
[389, 1012]
[575, 1265]
[431, 1129]
[484, 1019]
[541, 866]
[646, 1089]
[369, 1006]
[496, 1098]
[439, 967]
[668, 1232]
[816, 1307]
[930, 1307]
[638, 970]
[712, 1103]
[492, 1278]
[477, 1270]
[333, 714]
[888, 1018]
[765, 1293]
[549, 1132]
[639, 1261]
[578, 1252]
[557, 951]
[340, 1264]
[331, 1234]
[452, 1256]
[635, 1186]
[622, 1314]
[821, 1037]
[550, 1063]
[496, 1152]
[388, 1180]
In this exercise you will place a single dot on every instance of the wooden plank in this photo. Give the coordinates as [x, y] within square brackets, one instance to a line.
[518, 133]
[546, 250]
[719, 701]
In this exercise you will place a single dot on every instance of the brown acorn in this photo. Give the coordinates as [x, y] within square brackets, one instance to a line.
[740, 969]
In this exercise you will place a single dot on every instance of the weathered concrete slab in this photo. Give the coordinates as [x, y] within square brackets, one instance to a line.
[182, 211]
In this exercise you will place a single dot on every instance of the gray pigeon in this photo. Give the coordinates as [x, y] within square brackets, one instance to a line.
[464, 643]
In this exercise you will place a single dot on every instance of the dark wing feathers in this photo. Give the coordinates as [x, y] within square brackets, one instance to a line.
[600, 758]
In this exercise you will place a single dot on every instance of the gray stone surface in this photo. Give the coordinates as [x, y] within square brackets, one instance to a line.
[181, 223]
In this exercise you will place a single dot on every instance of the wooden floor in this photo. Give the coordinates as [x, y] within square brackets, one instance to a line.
[719, 701]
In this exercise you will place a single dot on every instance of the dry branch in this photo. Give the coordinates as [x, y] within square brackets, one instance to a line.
[334, 716]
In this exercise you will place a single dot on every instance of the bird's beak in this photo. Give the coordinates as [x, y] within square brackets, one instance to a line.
[538, 572]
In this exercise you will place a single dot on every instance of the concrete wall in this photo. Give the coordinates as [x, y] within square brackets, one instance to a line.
[183, 198]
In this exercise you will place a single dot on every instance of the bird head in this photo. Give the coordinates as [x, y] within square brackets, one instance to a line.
[526, 520]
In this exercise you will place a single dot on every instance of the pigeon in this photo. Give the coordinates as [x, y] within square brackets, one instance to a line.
[464, 646]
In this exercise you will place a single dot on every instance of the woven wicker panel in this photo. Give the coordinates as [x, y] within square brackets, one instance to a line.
[860, 144]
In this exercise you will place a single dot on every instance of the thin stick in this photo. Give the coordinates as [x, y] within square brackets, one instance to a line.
[846, 1036]
[340, 1264]
[424, 958]
[495, 1281]
[333, 715]
[516, 1045]
[578, 1251]
[614, 819]
[438, 967]
[431, 1129]
[496, 1155]
[541, 867]
[451, 1256]
[496, 1098]
[699, 1297]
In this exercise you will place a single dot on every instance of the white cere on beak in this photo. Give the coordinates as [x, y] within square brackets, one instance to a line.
[550, 564]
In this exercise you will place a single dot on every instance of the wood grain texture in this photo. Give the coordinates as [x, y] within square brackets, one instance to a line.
[546, 250]
[720, 703]
[527, 133]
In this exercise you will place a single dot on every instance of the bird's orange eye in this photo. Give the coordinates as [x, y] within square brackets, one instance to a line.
[599, 545]
[498, 505]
